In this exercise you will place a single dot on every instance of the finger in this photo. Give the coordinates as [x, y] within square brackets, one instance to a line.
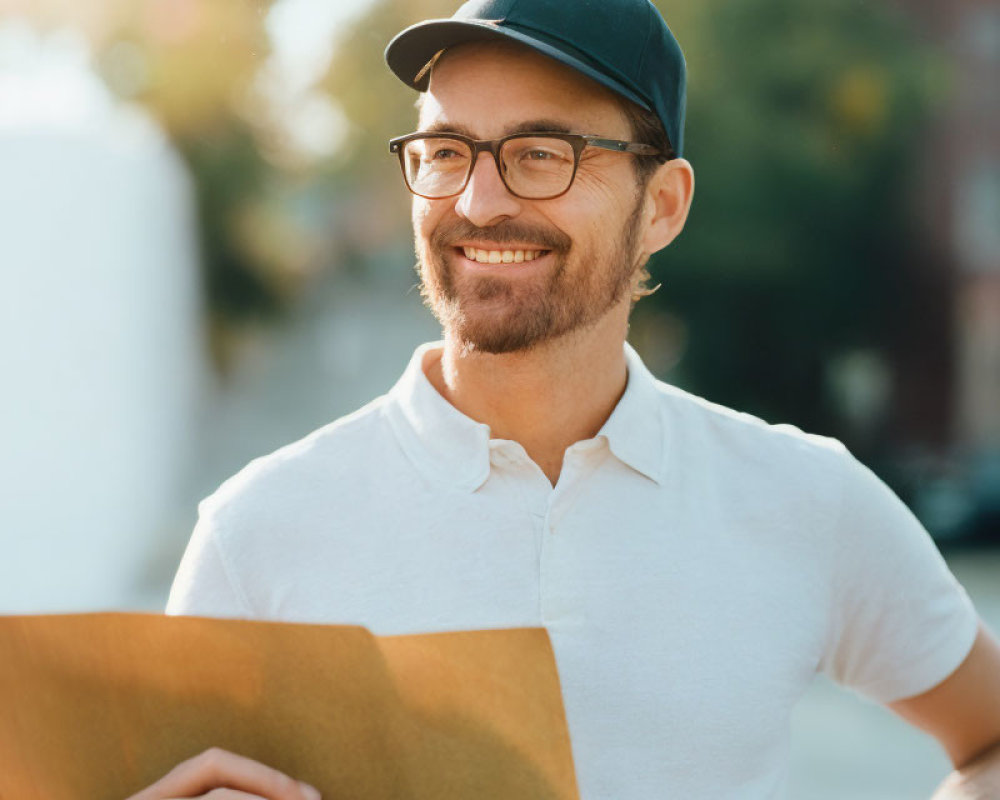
[216, 768]
[223, 794]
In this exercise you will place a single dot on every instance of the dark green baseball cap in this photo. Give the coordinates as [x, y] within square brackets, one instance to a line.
[624, 45]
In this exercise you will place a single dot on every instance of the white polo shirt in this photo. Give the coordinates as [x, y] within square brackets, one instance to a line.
[695, 568]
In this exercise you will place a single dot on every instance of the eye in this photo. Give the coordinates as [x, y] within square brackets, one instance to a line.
[539, 152]
[438, 151]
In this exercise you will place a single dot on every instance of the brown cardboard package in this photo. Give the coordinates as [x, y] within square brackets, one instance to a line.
[97, 706]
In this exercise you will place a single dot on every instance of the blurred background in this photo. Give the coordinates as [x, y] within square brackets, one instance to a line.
[205, 254]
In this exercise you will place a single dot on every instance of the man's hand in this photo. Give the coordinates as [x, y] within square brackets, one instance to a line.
[978, 780]
[220, 775]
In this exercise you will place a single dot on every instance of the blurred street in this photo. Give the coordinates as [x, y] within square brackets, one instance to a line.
[844, 747]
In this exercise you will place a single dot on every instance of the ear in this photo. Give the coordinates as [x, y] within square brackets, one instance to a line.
[668, 200]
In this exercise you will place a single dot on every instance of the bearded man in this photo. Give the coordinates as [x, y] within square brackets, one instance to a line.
[695, 567]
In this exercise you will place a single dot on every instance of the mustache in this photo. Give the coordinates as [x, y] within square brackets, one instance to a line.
[504, 232]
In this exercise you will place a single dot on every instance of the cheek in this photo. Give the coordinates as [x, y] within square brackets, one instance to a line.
[424, 217]
[605, 196]
[429, 218]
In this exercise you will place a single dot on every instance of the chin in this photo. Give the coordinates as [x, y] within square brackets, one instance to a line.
[495, 316]
[497, 333]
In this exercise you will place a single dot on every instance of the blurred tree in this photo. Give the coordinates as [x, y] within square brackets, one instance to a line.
[196, 67]
[378, 107]
[193, 65]
[377, 104]
[802, 119]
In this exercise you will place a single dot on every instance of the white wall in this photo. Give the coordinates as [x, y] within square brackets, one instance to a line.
[101, 354]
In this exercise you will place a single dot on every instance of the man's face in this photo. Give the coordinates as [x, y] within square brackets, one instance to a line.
[580, 249]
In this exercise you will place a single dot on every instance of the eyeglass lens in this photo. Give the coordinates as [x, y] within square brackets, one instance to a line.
[534, 167]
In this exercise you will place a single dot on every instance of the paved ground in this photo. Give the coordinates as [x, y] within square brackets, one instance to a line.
[845, 748]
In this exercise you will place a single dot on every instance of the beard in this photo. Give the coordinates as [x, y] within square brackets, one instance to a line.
[494, 315]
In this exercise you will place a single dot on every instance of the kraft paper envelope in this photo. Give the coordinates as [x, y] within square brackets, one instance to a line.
[97, 706]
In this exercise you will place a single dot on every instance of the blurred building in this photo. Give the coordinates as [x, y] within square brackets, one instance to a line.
[948, 389]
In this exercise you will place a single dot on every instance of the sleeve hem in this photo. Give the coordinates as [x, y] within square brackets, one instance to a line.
[924, 675]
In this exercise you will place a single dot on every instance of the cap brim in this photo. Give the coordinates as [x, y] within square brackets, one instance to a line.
[411, 51]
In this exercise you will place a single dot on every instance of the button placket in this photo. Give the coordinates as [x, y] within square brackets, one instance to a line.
[556, 592]
[514, 469]
[582, 460]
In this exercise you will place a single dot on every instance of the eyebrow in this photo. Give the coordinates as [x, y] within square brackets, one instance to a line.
[528, 126]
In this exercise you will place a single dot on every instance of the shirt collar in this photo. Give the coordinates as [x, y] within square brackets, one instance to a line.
[636, 429]
[434, 433]
[437, 436]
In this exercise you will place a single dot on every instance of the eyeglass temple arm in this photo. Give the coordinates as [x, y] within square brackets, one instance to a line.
[628, 147]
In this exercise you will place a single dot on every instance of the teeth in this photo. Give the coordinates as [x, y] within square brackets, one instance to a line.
[500, 256]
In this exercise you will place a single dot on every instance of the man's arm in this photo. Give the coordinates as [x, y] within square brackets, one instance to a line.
[963, 714]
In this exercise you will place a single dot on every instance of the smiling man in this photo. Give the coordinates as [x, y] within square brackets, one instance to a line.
[695, 567]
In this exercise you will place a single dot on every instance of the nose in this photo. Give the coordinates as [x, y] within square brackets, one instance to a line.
[486, 200]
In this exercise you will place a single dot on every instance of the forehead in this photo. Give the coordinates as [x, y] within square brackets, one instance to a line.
[491, 88]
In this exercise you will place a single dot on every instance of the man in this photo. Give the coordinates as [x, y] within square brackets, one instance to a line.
[694, 566]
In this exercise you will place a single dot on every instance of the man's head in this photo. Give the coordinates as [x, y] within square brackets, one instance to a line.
[624, 45]
[573, 259]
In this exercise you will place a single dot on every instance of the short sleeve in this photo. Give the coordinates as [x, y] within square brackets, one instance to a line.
[900, 623]
[205, 585]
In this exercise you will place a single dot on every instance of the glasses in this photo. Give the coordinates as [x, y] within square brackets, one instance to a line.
[533, 166]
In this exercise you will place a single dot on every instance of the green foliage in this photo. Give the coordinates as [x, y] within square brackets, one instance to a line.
[378, 105]
[229, 170]
[192, 66]
[802, 121]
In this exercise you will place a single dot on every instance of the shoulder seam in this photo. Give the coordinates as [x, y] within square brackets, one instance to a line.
[231, 577]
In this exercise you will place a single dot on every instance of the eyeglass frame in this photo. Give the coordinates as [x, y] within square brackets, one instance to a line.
[578, 141]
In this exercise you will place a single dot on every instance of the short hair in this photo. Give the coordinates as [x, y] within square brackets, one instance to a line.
[646, 128]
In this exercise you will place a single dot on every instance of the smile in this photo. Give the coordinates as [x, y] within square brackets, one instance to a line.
[501, 256]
